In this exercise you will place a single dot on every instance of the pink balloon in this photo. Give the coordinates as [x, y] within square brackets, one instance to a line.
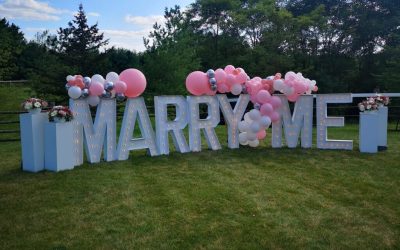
[120, 87]
[275, 102]
[210, 92]
[229, 69]
[253, 99]
[230, 80]
[315, 89]
[96, 89]
[261, 134]
[222, 88]
[241, 77]
[263, 96]
[293, 97]
[135, 82]
[274, 116]
[266, 109]
[220, 76]
[197, 83]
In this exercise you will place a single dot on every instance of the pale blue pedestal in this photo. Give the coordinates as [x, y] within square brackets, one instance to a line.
[383, 126]
[58, 146]
[368, 134]
[32, 141]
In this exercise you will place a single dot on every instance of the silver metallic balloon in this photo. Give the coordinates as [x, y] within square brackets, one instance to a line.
[211, 73]
[109, 86]
[120, 97]
[213, 87]
[85, 93]
[106, 94]
[257, 106]
[87, 81]
[213, 81]
[67, 87]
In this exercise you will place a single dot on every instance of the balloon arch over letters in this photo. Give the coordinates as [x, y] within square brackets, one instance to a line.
[268, 109]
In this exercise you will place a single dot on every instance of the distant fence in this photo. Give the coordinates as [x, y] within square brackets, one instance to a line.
[14, 83]
[350, 112]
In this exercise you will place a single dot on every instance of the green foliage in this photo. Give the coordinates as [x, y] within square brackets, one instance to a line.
[12, 43]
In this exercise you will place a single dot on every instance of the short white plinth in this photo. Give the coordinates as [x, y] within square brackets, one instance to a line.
[369, 125]
[58, 142]
[32, 141]
[383, 126]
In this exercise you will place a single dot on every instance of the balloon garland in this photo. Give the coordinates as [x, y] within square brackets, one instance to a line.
[236, 81]
[130, 83]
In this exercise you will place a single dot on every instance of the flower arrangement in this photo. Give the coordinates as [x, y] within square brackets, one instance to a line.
[60, 114]
[368, 105]
[34, 103]
[382, 100]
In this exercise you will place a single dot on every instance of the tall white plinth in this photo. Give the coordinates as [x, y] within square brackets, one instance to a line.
[32, 141]
[368, 134]
[383, 126]
[58, 146]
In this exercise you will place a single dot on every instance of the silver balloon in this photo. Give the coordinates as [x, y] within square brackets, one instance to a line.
[120, 97]
[109, 86]
[213, 87]
[85, 93]
[106, 94]
[211, 73]
[87, 81]
[67, 87]
[213, 81]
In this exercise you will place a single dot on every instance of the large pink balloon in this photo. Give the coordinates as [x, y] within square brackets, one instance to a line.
[220, 76]
[266, 109]
[230, 80]
[96, 89]
[229, 69]
[275, 102]
[197, 83]
[274, 116]
[263, 96]
[241, 78]
[222, 88]
[120, 87]
[135, 82]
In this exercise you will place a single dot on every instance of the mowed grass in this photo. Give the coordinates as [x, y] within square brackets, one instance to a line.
[229, 199]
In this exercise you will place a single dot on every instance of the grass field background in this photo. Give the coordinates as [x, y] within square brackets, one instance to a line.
[248, 198]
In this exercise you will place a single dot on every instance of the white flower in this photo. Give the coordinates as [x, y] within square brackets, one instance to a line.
[37, 104]
[54, 113]
[362, 108]
[28, 105]
[368, 107]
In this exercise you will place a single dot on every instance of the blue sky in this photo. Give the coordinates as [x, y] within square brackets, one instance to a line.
[124, 22]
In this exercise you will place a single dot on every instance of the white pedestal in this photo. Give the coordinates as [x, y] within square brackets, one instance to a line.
[58, 146]
[368, 136]
[32, 141]
[383, 126]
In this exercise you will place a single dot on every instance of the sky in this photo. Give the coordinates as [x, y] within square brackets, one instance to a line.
[124, 22]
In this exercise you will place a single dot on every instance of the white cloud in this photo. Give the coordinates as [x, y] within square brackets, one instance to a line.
[144, 21]
[95, 14]
[128, 39]
[29, 10]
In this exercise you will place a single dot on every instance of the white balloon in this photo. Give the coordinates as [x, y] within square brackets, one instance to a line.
[255, 127]
[74, 92]
[265, 121]
[98, 78]
[247, 117]
[93, 100]
[243, 138]
[251, 136]
[254, 143]
[279, 85]
[254, 114]
[243, 126]
[70, 78]
[112, 77]
[236, 89]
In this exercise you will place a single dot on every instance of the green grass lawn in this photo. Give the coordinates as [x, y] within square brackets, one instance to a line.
[241, 199]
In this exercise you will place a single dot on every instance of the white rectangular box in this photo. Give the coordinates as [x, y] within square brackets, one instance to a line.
[58, 146]
[368, 134]
[32, 141]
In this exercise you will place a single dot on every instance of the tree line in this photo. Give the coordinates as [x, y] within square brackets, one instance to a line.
[345, 45]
